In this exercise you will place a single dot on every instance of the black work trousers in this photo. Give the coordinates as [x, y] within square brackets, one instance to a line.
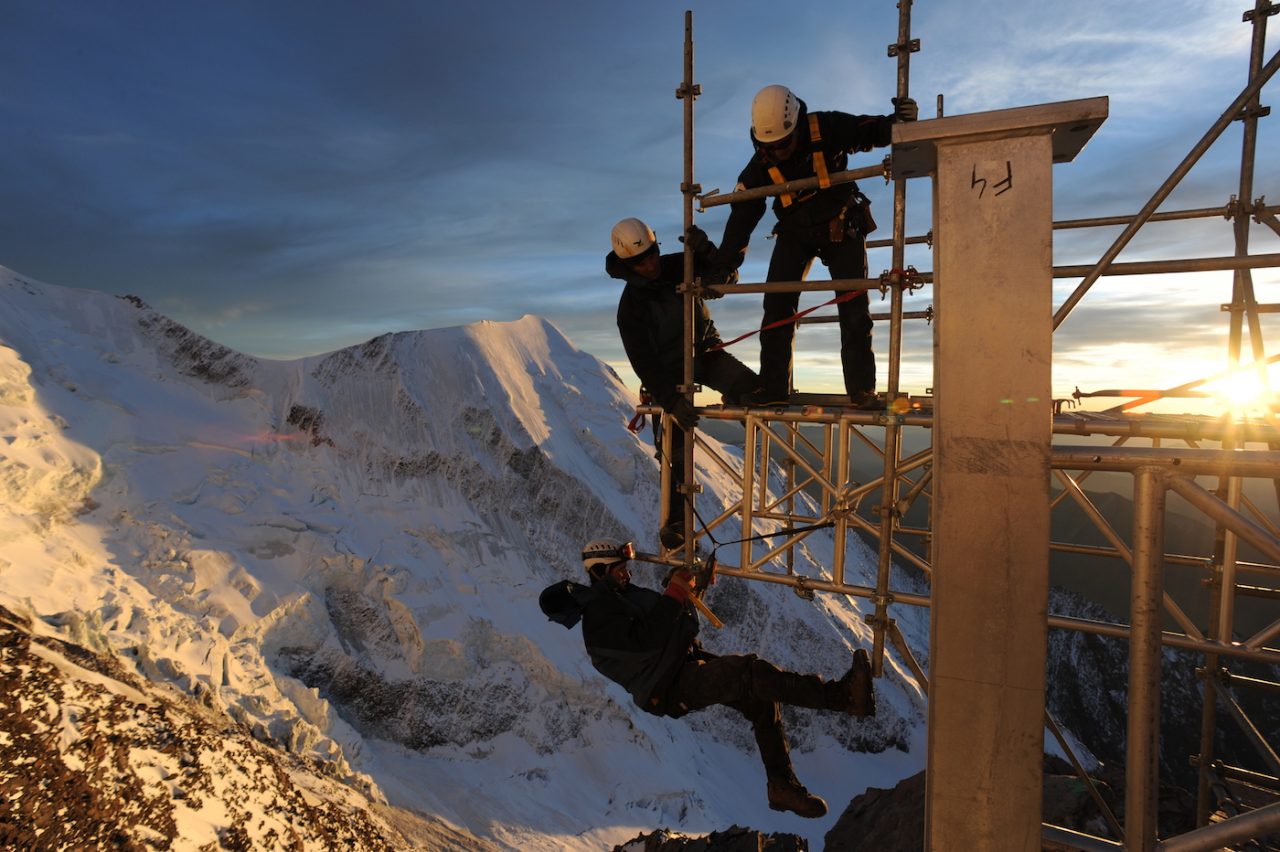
[793, 254]
[719, 371]
[754, 688]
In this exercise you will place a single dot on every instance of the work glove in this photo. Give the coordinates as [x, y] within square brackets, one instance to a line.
[905, 109]
[719, 276]
[708, 293]
[680, 584]
[683, 412]
[697, 239]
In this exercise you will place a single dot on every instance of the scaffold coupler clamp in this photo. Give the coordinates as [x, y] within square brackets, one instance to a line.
[802, 588]
[1267, 10]
[909, 280]
[699, 290]
[886, 511]
[887, 599]
[889, 417]
[846, 504]
[876, 621]
[1232, 210]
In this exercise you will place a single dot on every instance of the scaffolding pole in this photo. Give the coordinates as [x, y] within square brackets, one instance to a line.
[688, 92]
[888, 508]
[1155, 470]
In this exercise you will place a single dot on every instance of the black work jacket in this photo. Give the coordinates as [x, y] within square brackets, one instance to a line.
[842, 134]
[651, 322]
[638, 638]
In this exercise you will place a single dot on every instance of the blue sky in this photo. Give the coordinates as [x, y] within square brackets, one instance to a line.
[292, 177]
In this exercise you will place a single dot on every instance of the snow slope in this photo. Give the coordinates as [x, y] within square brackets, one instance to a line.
[343, 554]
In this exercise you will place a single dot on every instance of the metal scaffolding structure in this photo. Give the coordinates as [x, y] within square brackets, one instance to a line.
[815, 442]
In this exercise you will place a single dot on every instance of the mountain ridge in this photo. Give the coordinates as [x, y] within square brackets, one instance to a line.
[311, 545]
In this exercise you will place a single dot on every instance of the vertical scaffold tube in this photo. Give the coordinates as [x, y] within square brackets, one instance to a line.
[1142, 758]
[687, 93]
[1243, 304]
[892, 429]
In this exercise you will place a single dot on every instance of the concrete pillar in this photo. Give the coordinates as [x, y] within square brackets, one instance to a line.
[993, 238]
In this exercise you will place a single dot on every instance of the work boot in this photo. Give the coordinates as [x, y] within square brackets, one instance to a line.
[855, 693]
[867, 400]
[742, 391]
[790, 795]
[767, 397]
[672, 534]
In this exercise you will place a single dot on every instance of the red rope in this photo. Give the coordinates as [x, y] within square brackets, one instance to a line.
[843, 297]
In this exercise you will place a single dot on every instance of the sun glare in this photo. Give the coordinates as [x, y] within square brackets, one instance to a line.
[1243, 391]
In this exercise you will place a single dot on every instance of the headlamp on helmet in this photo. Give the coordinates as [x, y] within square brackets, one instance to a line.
[603, 553]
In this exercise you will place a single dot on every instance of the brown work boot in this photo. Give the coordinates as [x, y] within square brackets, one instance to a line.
[790, 795]
[855, 693]
[867, 400]
[672, 534]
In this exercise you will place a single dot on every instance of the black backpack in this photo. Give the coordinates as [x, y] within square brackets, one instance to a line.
[564, 600]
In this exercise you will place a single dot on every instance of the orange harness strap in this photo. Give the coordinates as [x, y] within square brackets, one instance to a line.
[776, 175]
[819, 160]
[819, 165]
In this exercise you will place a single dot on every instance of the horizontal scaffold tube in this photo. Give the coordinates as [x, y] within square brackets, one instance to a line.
[1266, 213]
[1193, 264]
[790, 187]
[1175, 215]
[842, 285]
[906, 315]
[1137, 267]
[1172, 640]
[1254, 824]
[1195, 462]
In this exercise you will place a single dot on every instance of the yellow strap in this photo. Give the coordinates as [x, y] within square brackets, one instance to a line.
[819, 160]
[777, 177]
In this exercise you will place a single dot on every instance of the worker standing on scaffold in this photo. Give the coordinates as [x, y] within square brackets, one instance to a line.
[651, 322]
[647, 642]
[830, 223]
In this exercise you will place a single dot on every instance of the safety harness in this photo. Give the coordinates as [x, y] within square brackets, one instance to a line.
[819, 166]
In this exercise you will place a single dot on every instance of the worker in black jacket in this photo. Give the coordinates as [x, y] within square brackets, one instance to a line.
[830, 224]
[651, 322]
[647, 643]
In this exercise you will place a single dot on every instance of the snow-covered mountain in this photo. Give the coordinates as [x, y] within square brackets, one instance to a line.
[341, 556]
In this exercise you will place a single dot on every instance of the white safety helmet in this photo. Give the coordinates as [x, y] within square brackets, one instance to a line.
[603, 552]
[773, 114]
[632, 238]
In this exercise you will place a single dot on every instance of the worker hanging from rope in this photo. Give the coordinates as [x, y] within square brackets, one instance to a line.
[651, 322]
[829, 223]
[647, 642]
